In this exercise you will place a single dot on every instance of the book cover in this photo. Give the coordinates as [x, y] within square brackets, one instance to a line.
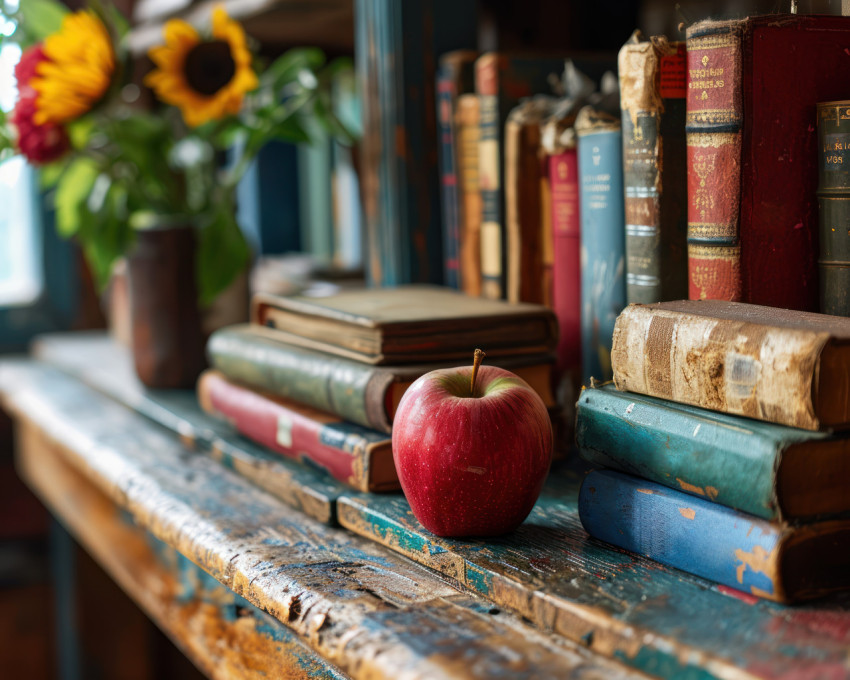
[770, 560]
[528, 240]
[408, 324]
[652, 99]
[752, 153]
[779, 365]
[834, 207]
[501, 81]
[467, 129]
[603, 289]
[354, 455]
[771, 471]
[455, 76]
[355, 391]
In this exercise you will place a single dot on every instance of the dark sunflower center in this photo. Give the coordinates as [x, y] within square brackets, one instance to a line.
[209, 66]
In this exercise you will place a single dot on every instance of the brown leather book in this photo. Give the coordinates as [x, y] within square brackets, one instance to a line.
[783, 366]
[408, 324]
[467, 119]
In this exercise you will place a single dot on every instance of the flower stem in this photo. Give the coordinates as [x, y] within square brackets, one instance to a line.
[476, 364]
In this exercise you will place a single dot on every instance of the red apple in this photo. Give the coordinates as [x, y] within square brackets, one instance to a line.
[472, 449]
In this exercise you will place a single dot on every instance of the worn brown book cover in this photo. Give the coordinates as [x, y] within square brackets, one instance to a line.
[408, 324]
[783, 366]
[467, 119]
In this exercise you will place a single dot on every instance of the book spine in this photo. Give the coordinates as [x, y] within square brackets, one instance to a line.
[334, 447]
[525, 274]
[349, 389]
[446, 96]
[566, 239]
[747, 369]
[834, 207]
[680, 448]
[713, 125]
[468, 137]
[691, 534]
[603, 290]
[547, 243]
[489, 163]
[652, 96]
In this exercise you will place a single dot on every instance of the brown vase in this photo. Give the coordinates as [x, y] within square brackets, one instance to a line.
[168, 345]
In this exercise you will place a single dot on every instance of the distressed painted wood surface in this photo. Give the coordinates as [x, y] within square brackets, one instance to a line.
[659, 620]
[223, 635]
[106, 366]
[369, 612]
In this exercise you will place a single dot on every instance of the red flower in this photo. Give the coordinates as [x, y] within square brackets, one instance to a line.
[38, 143]
[25, 69]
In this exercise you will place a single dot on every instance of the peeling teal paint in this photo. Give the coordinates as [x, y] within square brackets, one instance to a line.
[661, 664]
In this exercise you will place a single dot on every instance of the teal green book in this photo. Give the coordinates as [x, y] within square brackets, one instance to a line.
[771, 471]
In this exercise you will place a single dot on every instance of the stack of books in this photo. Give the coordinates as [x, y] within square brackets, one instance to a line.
[319, 379]
[723, 450]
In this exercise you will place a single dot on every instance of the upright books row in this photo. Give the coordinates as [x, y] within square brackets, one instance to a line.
[319, 379]
[704, 188]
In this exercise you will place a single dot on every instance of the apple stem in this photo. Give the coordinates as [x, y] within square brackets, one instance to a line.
[476, 364]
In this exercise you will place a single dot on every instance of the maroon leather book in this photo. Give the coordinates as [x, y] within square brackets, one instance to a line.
[752, 153]
[352, 454]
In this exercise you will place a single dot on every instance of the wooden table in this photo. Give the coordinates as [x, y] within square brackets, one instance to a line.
[311, 578]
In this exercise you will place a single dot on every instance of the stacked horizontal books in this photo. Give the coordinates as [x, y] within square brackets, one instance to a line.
[318, 379]
[724, 451]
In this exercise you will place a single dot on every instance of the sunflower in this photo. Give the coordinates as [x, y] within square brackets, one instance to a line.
[77, 71]
[205, 79]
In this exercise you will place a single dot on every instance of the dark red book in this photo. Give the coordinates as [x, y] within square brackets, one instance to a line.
[752, 153]
[352, 454]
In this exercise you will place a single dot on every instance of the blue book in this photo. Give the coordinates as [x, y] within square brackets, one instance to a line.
[603, 239]
[771, 560]
[768, 470]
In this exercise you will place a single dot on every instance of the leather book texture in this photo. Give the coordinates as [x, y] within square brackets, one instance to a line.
[455, 76]
[770, 560]
[834, 207]
[349, 453]
[408, 324]
[783, 366]
[603, 289]
[753, 87]
[652, 99]
[467, 135]
[771, 471]
[528, 241]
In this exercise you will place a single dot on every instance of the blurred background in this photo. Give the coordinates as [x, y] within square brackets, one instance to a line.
[316, 217]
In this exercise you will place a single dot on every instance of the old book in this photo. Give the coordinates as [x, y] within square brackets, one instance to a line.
[652, 99]
[352, 454]
[468, 133]
[528, 239]
[770, 560]
[771, 471]
[778, 365]
[752, 153]
[455, 76]
[408, 324]
[834, 207]
[603, 289]
[355, 391]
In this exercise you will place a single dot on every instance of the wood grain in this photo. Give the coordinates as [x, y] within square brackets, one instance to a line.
[368, 612]
[104, 365]
[659, 620]
[223, 636]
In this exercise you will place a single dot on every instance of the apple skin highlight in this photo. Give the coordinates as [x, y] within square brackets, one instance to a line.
[471, 465]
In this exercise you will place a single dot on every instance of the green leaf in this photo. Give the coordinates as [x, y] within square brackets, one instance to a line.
[49, 174]
[286, 67]
[39, 18]
[71, 195]
[222, 254]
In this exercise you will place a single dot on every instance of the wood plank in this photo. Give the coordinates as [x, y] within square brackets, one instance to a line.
[659, 620]
[369, 612]
[193, 609]
[107, 366]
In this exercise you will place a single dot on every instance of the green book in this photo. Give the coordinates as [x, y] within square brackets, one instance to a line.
[771, 471]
